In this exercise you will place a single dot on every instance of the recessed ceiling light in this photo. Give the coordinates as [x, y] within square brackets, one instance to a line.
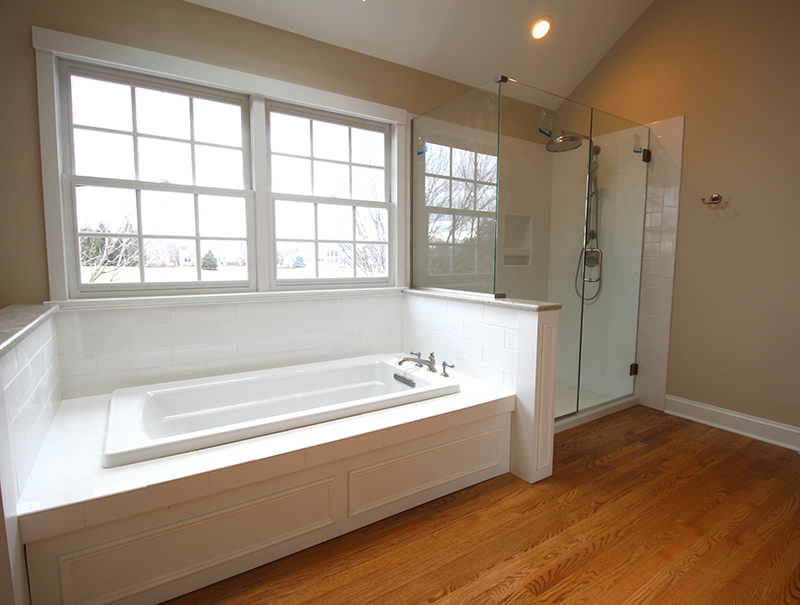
[541, 27]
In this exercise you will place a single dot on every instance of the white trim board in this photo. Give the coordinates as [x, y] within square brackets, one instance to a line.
[126, 57]
[776, 433]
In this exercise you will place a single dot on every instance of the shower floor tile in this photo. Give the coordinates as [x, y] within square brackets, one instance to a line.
[566, 397]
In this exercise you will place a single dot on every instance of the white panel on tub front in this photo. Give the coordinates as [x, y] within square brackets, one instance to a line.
[109, 572]
[391, 480]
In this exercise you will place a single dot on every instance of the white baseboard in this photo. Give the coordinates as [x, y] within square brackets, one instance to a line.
[764, 430]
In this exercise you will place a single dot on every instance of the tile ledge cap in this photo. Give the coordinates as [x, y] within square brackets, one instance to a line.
[509, 303]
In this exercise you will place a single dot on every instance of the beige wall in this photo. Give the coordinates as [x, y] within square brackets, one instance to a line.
[173, 27]
[732, 67]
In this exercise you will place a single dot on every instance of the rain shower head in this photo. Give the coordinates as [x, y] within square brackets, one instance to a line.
[566, 142]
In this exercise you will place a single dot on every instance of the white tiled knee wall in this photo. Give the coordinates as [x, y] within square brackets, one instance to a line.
[481, 340]
[105, 349]
[31, 395]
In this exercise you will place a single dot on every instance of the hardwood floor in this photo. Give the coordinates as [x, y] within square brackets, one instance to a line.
[642, 508]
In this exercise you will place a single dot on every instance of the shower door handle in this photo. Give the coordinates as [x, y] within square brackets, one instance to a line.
[598, 254]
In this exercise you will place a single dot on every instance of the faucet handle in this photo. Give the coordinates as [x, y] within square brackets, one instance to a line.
[417, 354]
[446, 365]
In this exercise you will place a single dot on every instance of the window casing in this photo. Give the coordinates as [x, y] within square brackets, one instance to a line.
[330, 198]
[156, 184]
[62, 182]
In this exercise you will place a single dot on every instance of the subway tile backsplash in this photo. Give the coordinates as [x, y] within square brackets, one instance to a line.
[105, 349]
[481, 340]
[30, 398]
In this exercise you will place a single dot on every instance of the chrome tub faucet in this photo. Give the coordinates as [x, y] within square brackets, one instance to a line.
[430, 363]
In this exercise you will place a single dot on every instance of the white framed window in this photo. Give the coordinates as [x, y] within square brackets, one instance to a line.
[158, 178]
[156, 184]
[330, 198]
[460, 206]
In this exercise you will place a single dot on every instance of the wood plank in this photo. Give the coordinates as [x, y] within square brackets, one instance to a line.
[642, 508]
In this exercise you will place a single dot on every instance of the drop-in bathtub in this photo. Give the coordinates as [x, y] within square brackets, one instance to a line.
[158, 420]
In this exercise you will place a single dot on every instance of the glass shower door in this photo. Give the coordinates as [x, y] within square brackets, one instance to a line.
[612, 259]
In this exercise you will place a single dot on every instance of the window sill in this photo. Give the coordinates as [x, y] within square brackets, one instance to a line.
[200, 299]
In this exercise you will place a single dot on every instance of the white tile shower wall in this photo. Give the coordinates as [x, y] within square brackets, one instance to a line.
[481, 340]
[609, 322]
[658, 263]
[566, 232]
[104, 349]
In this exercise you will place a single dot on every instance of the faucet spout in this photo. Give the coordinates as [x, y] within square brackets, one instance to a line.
[429, 363]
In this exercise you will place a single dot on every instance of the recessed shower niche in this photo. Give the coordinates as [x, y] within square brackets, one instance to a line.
[520, 193]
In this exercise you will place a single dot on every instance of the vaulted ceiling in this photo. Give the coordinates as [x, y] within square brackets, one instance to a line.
[469, 41]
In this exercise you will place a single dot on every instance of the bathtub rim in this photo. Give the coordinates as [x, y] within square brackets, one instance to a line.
[122, 446]
[45, 511]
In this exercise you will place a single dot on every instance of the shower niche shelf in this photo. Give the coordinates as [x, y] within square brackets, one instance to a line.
[517, 240]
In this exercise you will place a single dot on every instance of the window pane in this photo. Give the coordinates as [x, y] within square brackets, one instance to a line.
[463, 195]
[335, 259]
[486, 199]
[101, 104]
[162, 113]
[369, 184]
[167, 213]
[464, 260]
[440, 260]
[169, 260]
[291, 175]
[437, 192]
[294, 220]
[368, 147]
[222, 216]
[223, 260]
[105, 209]
[372, 224]
[437, 159]
[165, 161]
[103, 154]
[109, 260]
[216, 122]
[485, 232]
[487, 168]
[334, 222]
[295, 260]
[440, 228]
[218, 167]
[331, 141]
[485, 259]
[289, 134]
[372, 260]
[463, 229]
[331, 180]
[463, 164]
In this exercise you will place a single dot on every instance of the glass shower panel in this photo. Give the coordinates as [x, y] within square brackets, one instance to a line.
[613, 232]
[544, 153]
[454, 210]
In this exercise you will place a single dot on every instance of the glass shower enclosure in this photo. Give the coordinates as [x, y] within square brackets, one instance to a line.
[523, 194]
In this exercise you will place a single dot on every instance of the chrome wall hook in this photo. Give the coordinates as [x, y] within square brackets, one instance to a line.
[715, 198]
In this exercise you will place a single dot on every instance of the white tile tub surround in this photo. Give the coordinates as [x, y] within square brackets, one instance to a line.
[102, 349]
[29, 399]
[506, 343]
[658, 260]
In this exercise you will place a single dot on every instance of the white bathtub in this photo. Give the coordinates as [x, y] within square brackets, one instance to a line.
[170, 418]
